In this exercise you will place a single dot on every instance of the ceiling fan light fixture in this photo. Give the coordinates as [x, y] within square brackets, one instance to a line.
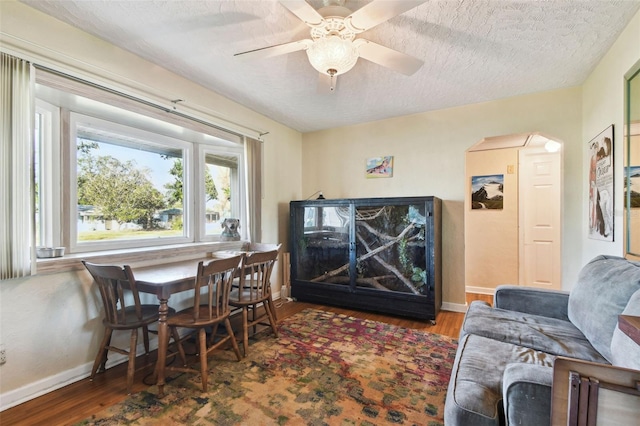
[332, 55]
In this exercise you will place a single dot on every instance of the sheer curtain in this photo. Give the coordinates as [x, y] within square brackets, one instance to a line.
[253, 156]
[16, 167]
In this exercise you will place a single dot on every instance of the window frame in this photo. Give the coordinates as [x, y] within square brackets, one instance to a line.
[238, 204]
[61, 217]
[49, 149]
[153, 139]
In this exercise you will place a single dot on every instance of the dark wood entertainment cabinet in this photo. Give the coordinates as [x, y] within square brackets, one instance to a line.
[375, 254]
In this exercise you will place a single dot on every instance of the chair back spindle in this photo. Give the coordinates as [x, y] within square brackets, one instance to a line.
[213, 285]
[114, 284]
[255, 281]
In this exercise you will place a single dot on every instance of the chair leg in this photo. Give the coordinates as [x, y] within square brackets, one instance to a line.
[253, 318]
[245, 329]
[131, 368]
[203, 357]
[273, 308]
[268, 306]
[232, 336]
[176, 338]
[101, 357]
[214, 333]
[145, 338]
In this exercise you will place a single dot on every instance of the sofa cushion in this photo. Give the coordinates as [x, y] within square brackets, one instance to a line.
[531, 300]
[545, 334]
[527, 392]
[603, 290]
[624, 351]
[474, 396]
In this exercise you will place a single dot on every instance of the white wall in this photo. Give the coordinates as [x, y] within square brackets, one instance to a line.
[429, 151]
[50, 325]
[602, 106]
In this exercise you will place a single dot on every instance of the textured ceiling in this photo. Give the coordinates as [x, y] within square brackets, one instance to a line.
[474, 51]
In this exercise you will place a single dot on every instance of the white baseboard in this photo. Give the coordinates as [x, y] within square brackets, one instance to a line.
[60, 380]
[480, 290]
[44, 386]
[454, 307]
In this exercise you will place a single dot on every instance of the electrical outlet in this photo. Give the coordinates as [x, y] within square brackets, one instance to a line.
[3, 355]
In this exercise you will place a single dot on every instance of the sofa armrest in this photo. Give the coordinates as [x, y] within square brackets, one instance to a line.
[526, 392]
[547, 303]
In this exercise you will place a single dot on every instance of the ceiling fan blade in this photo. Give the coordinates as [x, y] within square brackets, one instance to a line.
[278, 49]
[303, 11]
[379, 11]
[388, 58]
[326, 83]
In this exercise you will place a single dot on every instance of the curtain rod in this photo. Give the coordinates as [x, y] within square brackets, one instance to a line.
[148, 103]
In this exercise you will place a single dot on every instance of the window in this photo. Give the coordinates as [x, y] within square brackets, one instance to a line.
[128, 185]
[129, 180]
[221, 176]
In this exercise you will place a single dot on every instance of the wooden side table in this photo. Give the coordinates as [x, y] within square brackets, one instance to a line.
[630, 325]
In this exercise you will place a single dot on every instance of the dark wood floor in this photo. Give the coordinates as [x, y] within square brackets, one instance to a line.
[81, 399]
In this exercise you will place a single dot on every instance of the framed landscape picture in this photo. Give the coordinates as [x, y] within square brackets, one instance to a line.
[487, 192]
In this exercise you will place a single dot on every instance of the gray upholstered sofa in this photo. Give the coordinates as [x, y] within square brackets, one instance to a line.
[504, 364]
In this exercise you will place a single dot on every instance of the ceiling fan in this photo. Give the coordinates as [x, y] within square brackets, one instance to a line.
[333, 48]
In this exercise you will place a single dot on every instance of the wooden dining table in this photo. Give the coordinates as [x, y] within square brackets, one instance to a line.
[164, 280]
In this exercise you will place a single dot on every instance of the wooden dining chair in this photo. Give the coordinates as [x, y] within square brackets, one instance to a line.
[122, 311]
[255, 289]
[210, 309]
[252, 247]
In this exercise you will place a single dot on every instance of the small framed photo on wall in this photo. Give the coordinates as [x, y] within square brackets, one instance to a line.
[379, 167]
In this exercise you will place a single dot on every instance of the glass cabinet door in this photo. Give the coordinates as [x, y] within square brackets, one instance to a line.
[323, 246]
[390, 248]
[377, 254]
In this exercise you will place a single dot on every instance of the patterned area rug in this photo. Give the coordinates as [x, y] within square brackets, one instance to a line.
[325, 369]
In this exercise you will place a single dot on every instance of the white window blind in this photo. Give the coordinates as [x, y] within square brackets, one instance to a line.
[16, 167]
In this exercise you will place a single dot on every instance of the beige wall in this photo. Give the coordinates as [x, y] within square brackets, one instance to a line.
[50, 324]
[602, 106]
[491, 236]
[429, 151]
